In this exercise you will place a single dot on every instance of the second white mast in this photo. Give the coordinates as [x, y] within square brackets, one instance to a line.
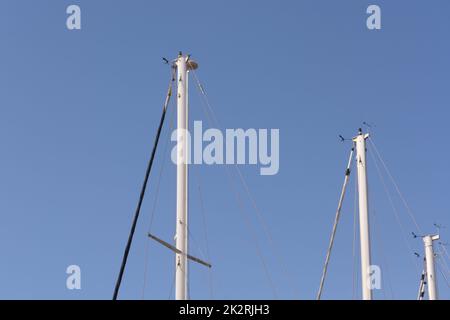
[364, 229]
[430, 268]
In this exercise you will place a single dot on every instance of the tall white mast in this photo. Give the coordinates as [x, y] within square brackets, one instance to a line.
[364, 229]
[183, 65]
[430, 268]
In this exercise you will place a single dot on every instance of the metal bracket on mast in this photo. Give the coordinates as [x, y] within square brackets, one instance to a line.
[174, 249]
[422, 285]
[423, 281]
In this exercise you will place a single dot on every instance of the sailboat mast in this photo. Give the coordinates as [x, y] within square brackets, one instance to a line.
[182, 181]
[183, 64]
[360, 141]
[430, 268]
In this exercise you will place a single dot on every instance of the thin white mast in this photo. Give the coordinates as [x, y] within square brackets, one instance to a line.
[182, 170]
[364, 229]
[183, 65]
[430, 268]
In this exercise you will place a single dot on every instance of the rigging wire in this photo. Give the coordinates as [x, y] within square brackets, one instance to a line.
[213, 119]
[408, 209]
[191, 237]
[254, 237]
[172, 287]
[443, 261]
[154, 205]
[205, 234]
[445, 250]
[394, 209]
[142, 193]
[439, 265]
[377, 233]
[265, 227]
[202, 255]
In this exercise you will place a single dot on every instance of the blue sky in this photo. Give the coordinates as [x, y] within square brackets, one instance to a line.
[79, 110]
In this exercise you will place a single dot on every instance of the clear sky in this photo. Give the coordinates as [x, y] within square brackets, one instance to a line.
[79, 110]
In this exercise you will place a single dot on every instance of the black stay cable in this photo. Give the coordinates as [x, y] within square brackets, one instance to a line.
[144, 186]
